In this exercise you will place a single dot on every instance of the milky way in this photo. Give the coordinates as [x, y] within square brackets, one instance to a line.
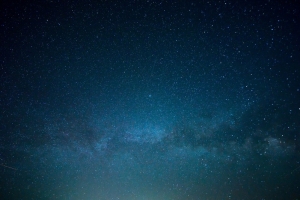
[150, 100]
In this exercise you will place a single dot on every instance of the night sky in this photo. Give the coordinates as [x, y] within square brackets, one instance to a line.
[150, 99]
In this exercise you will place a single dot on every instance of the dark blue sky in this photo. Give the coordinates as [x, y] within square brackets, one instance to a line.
[150, 100]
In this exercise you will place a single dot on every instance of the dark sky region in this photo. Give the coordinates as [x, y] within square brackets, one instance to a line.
[150, 100]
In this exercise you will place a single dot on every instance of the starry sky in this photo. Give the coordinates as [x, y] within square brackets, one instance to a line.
[150, 99]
